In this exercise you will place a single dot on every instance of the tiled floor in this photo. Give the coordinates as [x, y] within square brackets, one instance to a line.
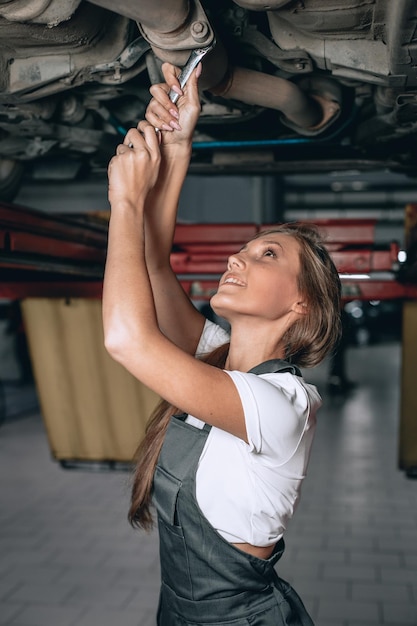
[69, 558]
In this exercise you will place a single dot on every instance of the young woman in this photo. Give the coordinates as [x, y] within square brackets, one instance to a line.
[225, 455]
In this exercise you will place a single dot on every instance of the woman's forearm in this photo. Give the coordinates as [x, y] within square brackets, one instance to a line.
[162, 205]
[128, 306]
[139, 281]
[178, 121]
[177, 317]
[127, 293]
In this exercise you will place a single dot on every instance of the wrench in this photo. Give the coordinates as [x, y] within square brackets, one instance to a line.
[193, 60]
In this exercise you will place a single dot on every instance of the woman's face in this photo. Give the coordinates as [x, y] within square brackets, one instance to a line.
[261, 279]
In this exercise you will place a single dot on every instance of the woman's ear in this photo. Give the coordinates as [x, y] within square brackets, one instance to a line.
[300, 308]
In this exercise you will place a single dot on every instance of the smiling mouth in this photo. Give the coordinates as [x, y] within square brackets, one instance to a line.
[230, 280]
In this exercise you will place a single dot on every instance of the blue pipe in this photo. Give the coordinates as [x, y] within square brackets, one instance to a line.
[261, 143]
[202, 145]
[117, 125]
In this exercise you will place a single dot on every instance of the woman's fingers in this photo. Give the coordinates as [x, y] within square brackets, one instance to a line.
[171, 74]
[160, 117]
[151, 133]
[163, 114]
[143, 138]
[134, 170]
[132, 137]
[121, 148]
[140, 136]
[161, 110]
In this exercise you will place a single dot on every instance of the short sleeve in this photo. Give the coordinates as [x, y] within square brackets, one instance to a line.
[276, 409]
[211, 338]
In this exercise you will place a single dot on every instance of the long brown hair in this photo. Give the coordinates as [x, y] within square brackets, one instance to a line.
[147, 454]
[314, 335]
[307, 342]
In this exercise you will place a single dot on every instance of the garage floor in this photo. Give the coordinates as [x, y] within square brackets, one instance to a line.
[69, 558]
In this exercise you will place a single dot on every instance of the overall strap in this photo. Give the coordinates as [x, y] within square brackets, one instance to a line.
[275, 365]
[267, 367]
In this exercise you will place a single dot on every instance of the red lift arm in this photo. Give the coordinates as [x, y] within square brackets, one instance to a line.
[46, 255]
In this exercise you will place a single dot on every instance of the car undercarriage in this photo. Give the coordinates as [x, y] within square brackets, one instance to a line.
[292, 85]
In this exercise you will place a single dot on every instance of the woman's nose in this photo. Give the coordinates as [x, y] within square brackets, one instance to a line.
[234, 260]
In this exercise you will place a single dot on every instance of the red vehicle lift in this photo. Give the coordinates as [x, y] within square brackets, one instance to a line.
[46, 255]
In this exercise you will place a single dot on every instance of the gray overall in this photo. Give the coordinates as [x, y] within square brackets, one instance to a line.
[205, 579]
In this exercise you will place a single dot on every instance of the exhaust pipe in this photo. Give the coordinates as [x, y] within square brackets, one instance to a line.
[271, 92]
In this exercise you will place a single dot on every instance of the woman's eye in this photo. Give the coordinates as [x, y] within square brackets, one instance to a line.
[269, 252]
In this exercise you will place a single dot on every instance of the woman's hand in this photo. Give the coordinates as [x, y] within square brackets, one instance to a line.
[176, 121]
[133, 171]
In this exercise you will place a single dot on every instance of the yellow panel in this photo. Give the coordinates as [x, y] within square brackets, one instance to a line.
[92, 407]
[408, 421]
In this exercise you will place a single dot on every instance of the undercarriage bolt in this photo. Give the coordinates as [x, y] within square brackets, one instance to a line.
[199, 31]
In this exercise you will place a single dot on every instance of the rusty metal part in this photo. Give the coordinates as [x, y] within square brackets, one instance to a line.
[290, 61]
[328, 96]
[50, 12]
[271, 92]
[192, 28]
[173, 29]
[158, 15]
[329, 109]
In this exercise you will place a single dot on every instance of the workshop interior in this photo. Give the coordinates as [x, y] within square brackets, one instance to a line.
[308, 113]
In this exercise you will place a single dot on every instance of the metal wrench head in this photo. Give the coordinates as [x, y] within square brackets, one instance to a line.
[193, 60]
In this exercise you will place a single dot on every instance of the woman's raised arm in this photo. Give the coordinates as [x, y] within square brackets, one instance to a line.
[178, 319]
[131, 328]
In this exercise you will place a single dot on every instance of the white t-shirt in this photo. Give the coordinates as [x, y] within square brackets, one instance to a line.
[248, 492]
